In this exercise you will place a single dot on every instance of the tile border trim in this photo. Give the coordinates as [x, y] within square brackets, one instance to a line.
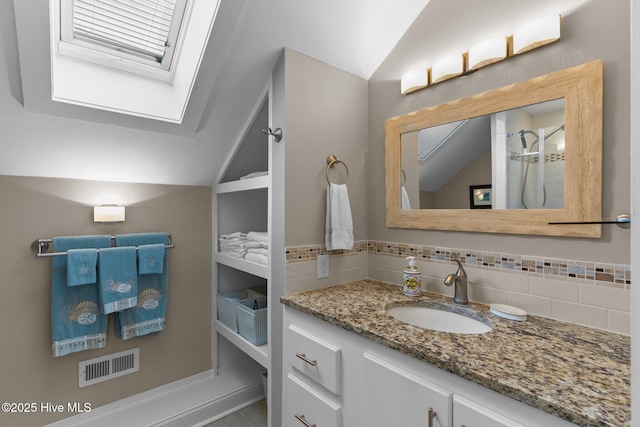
[600, 274]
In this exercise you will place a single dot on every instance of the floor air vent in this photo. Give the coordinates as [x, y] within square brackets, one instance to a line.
[108, 367]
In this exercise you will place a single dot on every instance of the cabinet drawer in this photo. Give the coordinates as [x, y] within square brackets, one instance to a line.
[307, 408]
[314, 357]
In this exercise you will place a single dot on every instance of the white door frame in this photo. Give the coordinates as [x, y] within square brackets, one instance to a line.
[635, 208]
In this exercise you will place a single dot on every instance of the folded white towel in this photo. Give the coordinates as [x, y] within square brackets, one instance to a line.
[237, 253]
[258, 236]
[404, 202]
[264, 245]
[236, 235]
[255, 174]
[257, 258]
[233, 243]
[338, 224]
[261, 251]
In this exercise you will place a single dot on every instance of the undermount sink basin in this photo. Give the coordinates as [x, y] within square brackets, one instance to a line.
[438, 320]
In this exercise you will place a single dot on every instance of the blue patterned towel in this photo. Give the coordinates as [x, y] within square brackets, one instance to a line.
[76, 321]
[151, 258]
[81, 266]
[149, 315]
[118, 279]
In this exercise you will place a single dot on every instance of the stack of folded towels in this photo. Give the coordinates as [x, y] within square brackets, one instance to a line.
[257, 247]
[252, 246]
[234, 244]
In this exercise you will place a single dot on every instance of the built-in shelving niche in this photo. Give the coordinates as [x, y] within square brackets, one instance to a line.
[243, 205]
[253, 154]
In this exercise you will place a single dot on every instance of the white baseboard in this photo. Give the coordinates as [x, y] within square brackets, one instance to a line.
[193, 401]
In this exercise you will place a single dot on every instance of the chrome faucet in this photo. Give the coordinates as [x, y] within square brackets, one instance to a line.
[460, 280]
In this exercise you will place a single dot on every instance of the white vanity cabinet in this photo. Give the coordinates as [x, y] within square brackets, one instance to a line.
[467, 413]
[386, 386]
[383, 387]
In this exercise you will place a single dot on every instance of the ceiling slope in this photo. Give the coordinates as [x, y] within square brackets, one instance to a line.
[246, 41]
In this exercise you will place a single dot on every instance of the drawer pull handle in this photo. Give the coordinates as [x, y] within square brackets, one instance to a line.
[303, 421]
[432, 415]
[303, 357]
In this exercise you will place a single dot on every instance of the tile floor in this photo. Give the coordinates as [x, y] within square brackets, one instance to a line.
[252, 416]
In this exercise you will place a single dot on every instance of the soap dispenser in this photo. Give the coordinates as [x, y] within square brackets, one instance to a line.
[412, 278]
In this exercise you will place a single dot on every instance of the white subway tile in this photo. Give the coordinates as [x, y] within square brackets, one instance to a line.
[339, 263]
[507, 281]
[301, 269]
[619, 322]
[487, 295]
[532, 304]
[601, 296]
[594, 317]
[553, 288]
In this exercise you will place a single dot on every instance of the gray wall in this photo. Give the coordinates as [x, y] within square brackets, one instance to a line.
[35, 208]
[325, 113]
[597, 29]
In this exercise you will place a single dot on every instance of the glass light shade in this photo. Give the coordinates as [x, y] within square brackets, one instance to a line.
[414, 80]
[536, 33]
[487, 52]
[447, 67]
[108, 213]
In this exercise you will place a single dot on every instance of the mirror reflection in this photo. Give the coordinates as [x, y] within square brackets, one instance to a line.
[512, 159]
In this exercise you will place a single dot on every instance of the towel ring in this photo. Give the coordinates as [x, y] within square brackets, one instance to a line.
[404, 177]
[331, 162]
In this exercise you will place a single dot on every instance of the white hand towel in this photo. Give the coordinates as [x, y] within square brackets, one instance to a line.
[338, 223]
[404, 203]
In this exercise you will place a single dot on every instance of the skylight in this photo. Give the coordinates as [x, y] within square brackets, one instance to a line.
[114, 55]
[137, 36]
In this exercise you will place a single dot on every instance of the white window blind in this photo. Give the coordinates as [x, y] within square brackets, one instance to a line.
[143, 27]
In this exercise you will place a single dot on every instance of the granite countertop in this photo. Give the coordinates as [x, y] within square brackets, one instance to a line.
[576, 373]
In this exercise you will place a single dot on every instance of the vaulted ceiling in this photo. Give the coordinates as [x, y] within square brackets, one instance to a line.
[39, 137]
[246, 41]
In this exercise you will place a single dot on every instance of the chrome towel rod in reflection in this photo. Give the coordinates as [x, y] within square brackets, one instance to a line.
[41, 246]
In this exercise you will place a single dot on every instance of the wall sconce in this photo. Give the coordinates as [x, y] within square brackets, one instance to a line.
[536, 33]
[414, 80]
[446, 68]
[108, 213]
[487, 52]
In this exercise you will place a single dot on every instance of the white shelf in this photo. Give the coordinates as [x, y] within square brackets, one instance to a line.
[243, 265]
[259, 354]
[257, 183]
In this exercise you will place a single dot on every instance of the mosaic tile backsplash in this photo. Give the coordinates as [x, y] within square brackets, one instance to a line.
[611, 275]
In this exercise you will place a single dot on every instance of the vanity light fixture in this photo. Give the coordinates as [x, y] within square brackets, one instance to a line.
[531, 35]
[446, 68]
[108, 213]
[539, 32]
[487, 52]
[414, 80]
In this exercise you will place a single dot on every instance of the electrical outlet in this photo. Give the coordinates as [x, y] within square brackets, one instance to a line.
[323, 266]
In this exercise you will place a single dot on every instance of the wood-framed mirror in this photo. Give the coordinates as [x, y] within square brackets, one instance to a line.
[578, 186]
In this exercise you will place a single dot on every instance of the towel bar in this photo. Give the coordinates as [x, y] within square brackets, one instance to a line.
[41, 246]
